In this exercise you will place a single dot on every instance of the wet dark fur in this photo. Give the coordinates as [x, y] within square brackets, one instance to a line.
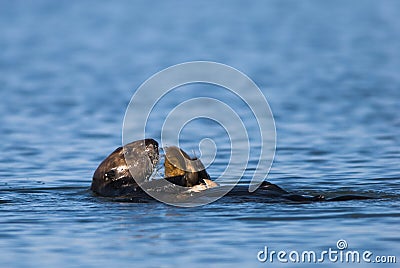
[113, 178]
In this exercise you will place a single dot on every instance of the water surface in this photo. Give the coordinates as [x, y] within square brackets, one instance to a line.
[330, 72]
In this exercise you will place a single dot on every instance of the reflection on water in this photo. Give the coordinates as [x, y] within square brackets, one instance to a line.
[68, 70]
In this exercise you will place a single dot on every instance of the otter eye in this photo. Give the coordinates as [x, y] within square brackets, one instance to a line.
[110, 174]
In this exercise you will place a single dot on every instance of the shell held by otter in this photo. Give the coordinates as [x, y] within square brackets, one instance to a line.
[181, 169]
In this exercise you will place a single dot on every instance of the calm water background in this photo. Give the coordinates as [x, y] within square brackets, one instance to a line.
[330, 71]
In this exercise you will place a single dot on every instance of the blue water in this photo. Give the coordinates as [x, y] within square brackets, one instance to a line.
[330, 71]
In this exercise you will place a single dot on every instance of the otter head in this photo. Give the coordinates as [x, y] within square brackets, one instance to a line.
[124, 168]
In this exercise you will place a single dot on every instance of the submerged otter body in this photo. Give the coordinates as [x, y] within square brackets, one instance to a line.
[114, 177]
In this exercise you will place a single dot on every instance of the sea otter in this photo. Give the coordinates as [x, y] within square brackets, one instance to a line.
[114, 177]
